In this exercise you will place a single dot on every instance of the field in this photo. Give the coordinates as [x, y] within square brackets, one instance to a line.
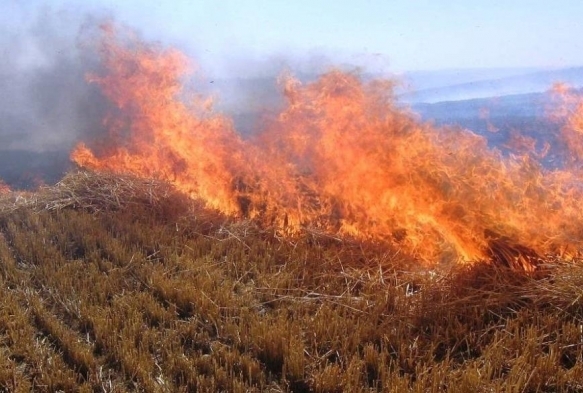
[116, 284]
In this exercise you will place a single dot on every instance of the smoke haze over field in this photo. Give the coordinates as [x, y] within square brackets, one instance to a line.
[46, 104]
[335, 150]
[240, 48]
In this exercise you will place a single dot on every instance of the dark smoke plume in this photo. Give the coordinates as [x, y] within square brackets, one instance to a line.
[46, 105]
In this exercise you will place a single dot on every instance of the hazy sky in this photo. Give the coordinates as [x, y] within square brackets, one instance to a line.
[395, 35]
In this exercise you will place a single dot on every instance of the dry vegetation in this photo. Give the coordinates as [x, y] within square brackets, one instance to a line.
[117, 284]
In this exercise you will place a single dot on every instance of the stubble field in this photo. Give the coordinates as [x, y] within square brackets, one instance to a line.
[116, 284]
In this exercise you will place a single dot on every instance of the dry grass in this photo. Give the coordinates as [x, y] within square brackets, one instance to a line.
[93, 192]
[117, 284]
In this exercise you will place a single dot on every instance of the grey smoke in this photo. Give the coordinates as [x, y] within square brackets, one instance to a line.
[45, 102]
[47, 106]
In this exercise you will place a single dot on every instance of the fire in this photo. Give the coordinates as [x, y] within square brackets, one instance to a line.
[341, 156]
[155, 134]
[571, 109]
[4, 188]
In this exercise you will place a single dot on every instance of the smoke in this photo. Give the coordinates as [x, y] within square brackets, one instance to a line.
[46, 103]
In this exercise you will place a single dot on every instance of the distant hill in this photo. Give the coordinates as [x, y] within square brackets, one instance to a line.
[523, 82]
[500, 119]
[530, 105]
[433, 79]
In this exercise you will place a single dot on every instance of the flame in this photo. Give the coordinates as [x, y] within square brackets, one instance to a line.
[4, 188]
[340, 156]
[570, 108]
[155, 134]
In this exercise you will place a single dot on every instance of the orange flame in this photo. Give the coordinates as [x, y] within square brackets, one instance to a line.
[4, 188]
[570, 109]
[341, 156]
[154, 134]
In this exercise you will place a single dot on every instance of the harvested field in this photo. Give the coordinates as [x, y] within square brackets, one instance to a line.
[116, 284]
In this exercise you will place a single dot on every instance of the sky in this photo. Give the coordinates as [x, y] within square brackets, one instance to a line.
[403, 35]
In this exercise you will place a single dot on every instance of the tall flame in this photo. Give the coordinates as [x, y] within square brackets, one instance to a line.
[155, 134]
[341, 156]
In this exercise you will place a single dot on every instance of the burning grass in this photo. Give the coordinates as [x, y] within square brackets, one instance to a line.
[321, 256]
[116, 283]
[95, 192]
[340, 156]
